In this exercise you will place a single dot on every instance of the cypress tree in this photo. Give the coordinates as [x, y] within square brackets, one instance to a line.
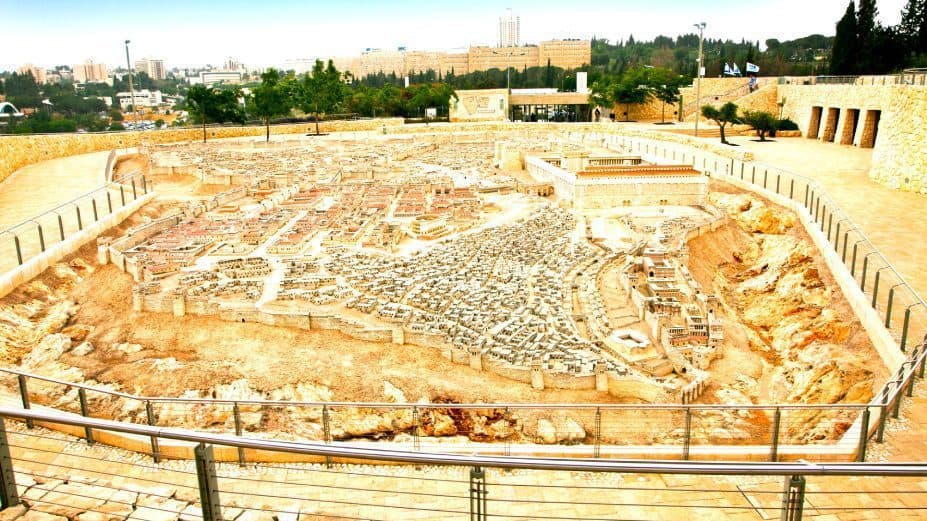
[866, 35]
[913, 27]
[844, 56]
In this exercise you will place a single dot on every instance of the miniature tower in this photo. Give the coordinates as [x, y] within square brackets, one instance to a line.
[601, 377]
[476, 360]
[180, 302]
[537, 377]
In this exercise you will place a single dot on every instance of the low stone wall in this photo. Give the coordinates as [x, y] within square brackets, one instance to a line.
[19, 151]
[36, 265]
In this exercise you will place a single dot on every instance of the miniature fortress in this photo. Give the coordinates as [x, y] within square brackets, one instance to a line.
[495, 253]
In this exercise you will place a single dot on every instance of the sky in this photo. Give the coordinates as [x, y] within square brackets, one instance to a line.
[271, 32]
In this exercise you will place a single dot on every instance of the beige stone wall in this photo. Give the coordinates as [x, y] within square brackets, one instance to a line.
[899, 157]
[19, 151]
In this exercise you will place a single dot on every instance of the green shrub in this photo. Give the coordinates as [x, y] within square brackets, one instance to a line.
[787, 124]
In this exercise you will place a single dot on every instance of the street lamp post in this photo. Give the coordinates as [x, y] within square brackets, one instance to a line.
[131, 88]
[698, 76]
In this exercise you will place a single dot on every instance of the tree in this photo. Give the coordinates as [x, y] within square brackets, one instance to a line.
[761, 121]
[665, 84]
[632, 89]
[913, 26]
[723, 116]
[320, 92]
[159, 123]
[115, 115]
[270, 98]
[209, 104]
[846, 45]
[866, 35]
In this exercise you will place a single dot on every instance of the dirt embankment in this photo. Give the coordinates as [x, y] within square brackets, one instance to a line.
[793, 337]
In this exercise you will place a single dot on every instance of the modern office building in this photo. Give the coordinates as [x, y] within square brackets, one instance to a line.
[152, 67]
[90, 72]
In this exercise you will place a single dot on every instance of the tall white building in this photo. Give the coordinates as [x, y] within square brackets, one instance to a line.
[509, 30]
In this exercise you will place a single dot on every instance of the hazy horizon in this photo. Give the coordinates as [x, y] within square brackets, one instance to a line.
[197, 33]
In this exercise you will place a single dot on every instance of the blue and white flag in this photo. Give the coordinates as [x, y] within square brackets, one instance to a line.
[727, 70]
[752, 68]
[736, 71]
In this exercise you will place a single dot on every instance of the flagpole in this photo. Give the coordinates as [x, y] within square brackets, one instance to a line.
[698, 77]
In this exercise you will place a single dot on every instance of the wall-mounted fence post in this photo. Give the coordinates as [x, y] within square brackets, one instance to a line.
[478, 494]
[80, 222]
[687, 439]
[823, 213]
[896, 410]
[846, 238]
[236, 415]
[863, 436]
[60, 227]
[765, 178]
[122, 195]
[597, 449]
[778, 179]
[875, 287]
[208, 484]
[830, 225]
[793, 498]
[913, 372]
[19, 251]
[862, 283]
[416, 443]
[807, 190]
[24, 396]
[732, 167]
[144, 185]
[753, 175]
[85, 412]
[109, 201]
[777, 422]
[853, 264]
[134, 192]
[96, 214]
[883, 412]
[817, 208]
[327, 432]
[41, 236]
[155, 450]
[742, 165]
[792, 189]
[888, 310]
[9, 493]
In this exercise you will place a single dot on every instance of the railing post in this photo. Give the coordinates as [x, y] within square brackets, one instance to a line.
[24, 397]
[155, 451]
[777, 422]
[853, 264]
[753, 175]
[236, 415]
[862, 283]
[9, 493]
[883, 413]
[793, 498]
[327, 432]
[84, 411]
[891, 299]
[478, 494]
[41, 237]
[742, 165]
[792, 189]
[19, 251]
[875, 287]
[778, 178]
[96, 214]
[830, 225]
[765, 178]
[60, 226]
[80, 222]
[807, 189]
[913, 372]
[863, 436]
[687, 440]
[109, 201]
[208, 484]
[134, 192]
[144, 185]
[122, 194]
[416, 443]
[904, 328]
[597, 450]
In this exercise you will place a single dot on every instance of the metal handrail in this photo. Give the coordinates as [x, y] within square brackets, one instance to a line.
[502, 462]
[469, 406]
[101, 188]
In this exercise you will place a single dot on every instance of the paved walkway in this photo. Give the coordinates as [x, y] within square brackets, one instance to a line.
[40, 187]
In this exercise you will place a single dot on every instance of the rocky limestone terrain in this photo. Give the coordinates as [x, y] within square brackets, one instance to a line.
[788, 311]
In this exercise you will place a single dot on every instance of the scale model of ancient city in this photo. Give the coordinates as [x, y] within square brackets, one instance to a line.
[466, 266]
